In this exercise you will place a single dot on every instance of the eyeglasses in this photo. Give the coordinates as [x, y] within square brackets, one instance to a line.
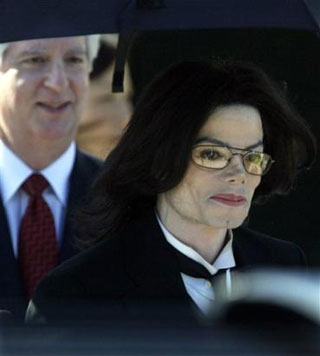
[218, 157]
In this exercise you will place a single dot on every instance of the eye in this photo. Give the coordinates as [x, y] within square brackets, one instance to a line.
[75, 59]
[34, 60]
[256, 162]
[256, 158]
[210, 154]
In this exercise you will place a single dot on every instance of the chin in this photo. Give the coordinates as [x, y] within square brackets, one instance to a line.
[235, 222]
[54, 132]
[227, 223]
[234, 225]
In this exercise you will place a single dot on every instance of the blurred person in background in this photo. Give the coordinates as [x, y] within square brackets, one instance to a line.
[107, 113]
[206, 140]
[44, 86]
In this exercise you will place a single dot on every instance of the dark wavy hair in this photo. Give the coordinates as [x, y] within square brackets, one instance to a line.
[154, 152]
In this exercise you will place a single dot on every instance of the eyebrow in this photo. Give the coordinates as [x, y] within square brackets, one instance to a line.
[43, 51]
[77, 50]
[215, 141]
[31, 53]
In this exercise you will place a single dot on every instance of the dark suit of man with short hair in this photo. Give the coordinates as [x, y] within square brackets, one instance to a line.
[44, 85]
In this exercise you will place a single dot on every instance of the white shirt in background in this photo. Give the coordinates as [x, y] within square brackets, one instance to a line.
[13, 173]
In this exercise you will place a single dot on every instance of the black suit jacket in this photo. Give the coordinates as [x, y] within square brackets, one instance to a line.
[135, 269]
[11, 291]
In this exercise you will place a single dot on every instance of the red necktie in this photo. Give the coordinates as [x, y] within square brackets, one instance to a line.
[38, 248]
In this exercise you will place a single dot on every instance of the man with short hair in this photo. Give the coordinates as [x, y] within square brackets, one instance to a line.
[43, 85]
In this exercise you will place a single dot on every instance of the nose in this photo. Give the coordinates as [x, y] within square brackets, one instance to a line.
[56, 78]
[235, 172]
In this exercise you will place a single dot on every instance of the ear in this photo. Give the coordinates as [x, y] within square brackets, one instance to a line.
[3, 50]
[1, 63]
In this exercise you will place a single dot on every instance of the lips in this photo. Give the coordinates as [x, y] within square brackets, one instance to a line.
[230, 199]
[54, 107]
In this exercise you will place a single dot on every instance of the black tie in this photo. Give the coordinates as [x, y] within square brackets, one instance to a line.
[194, 269]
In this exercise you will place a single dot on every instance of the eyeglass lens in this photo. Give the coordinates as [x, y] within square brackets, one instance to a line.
[218, 157]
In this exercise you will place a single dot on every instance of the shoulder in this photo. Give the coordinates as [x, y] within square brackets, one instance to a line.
[88, 161]
[91, 272]
[111, 255]
[104, 261]
[86, 169]
[81, 286]
[257, 237]
[256, 248]
[92, 281]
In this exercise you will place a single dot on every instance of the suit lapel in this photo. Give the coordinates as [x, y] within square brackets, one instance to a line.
[82, 175]
[10, 284]
[151, 263]
[11, 290]
[246, 251]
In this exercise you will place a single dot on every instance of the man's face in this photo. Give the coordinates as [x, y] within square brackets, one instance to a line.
[43, 86]
[217, 198]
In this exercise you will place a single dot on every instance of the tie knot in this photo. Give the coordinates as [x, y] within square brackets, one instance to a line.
[35, 184]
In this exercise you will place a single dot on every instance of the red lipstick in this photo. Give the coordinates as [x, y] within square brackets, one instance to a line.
[230, 199]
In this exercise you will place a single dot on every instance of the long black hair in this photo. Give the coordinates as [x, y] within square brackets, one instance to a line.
[154, 152]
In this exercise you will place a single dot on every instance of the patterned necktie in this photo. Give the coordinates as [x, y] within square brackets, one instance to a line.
[38, 248]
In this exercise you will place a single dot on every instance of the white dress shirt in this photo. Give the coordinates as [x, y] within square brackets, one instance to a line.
[13, 173]
[201, 290]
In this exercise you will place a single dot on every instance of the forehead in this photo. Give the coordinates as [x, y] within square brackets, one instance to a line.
[236, 124]
[61, 45]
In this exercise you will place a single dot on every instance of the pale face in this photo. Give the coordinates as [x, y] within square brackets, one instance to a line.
[217, 198]
[43, 86]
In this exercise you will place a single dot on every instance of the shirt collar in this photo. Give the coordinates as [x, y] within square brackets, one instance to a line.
[13, 172]
[224, 260]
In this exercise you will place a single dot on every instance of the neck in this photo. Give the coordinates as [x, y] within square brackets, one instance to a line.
[206, 240]
[38, 155]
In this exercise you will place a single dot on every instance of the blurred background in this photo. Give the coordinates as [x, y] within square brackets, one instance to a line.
[107, 113]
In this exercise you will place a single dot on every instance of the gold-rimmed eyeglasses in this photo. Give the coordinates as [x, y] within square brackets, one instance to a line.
[218, 157]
